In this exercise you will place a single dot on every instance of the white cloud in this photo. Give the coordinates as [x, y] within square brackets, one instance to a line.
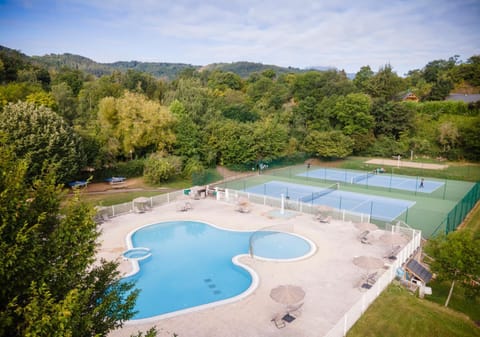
[347, 33]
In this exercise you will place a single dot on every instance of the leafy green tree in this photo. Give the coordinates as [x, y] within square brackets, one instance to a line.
[392, 118]
[14, 92]
[192, 94]
[270, 139]
[321, 84]
[134, 123]
[455, 258]
[42, 98]
[470, 71]
[362, 78]
[353, 113]
[240, 112]
[325, 118]
[448, 136]
[440, 89]
[231, 142]
[221, 80]
[187, 134]
[66, 102]
[73, 78]
[434, 70]
[51, 283]
[386, 84]
[329, 144]
[385, 146]
[470, 139]
[42, 135]
[142, 83]
[159, 167]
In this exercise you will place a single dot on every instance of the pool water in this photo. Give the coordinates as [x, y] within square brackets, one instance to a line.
[191, 264]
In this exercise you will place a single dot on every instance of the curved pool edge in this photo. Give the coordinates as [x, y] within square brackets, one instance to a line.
[313, 250]
[241, 296]
[235, 260]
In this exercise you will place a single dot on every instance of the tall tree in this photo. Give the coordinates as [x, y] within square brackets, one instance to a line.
[386, 84]
[353, 113]
[42, 135]
[362, 78]
[51, 285]
[135, 123]
[329, 144]
[456, 257]
[392, 118]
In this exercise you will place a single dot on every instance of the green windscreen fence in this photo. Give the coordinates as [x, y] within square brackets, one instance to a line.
[456, 216]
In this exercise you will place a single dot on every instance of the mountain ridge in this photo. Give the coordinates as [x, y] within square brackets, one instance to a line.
[165, 70]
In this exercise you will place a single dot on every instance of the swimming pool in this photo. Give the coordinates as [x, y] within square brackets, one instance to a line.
[193, 264]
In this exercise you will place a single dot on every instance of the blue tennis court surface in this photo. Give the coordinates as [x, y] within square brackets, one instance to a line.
[381, 208]
[381, 179]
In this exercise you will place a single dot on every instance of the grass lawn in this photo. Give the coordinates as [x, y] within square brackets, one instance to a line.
[142, 189]
[398, 313]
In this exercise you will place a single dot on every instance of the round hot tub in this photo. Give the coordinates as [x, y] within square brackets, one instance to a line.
[138, 253]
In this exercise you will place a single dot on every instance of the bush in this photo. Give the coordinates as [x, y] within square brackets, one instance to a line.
[386, 147]
[159, 168]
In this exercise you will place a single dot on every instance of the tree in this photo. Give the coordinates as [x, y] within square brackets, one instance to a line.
[392, 118]
[353, 113]
[42, 98]
[73, 78]
[470, 140]
[222, 80]
[66, 102]
[187, 135]
[455, 258]
[159, 167]
[41, 135]
[51, 284]
[362, 78]
[447, 136]
[330, 144]
[385, 84]
[134, 123]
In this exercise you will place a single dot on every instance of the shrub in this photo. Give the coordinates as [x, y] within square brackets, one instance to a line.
[160, 168]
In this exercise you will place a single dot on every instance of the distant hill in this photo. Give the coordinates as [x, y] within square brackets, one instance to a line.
[245, 69]
[160, 70]
[157, 69]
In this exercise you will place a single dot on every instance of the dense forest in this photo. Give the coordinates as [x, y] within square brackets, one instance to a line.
[238, 115]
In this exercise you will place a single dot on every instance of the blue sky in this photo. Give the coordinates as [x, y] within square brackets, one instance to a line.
[346, 34]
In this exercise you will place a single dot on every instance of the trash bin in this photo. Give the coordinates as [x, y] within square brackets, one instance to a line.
[186, 192]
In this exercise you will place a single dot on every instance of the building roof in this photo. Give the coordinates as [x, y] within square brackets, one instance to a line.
[467, 98]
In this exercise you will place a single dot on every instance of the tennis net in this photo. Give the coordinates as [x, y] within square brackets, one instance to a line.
[361, 177]
[319, 194]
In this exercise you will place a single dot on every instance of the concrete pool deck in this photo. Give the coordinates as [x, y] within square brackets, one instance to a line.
[330, 279]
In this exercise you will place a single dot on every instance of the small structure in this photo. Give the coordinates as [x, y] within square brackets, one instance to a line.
[243, 205]
[116, 181]
[466, 98]
[410, 97]
[417, 271]
[78, 183]
[140, 204]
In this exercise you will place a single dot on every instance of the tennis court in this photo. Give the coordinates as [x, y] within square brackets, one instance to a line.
[374, 179]
[381, 208]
